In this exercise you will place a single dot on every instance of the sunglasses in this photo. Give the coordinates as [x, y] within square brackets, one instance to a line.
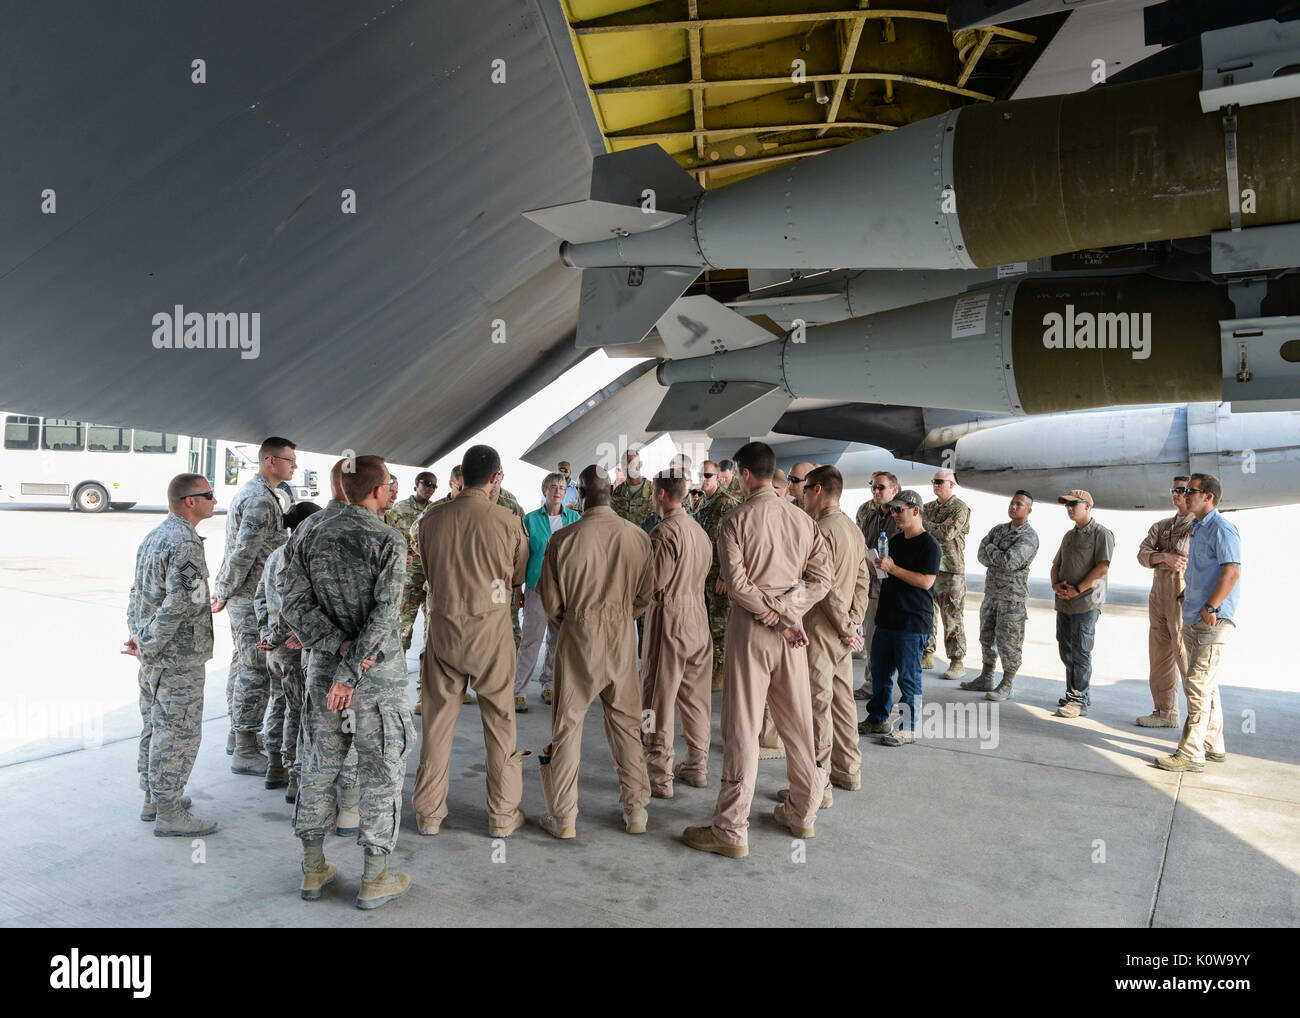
[1073, 502]
[1178, 491]
[941, 480]
[880, 487]
[426, 484]
[1195, 491]
[898, 510]
[795, 480]
[202, 494]
[708, 475]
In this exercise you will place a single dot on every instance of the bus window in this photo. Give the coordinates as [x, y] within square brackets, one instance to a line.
[102, 438]
[22, 432]
[154, 441]
[59, 435]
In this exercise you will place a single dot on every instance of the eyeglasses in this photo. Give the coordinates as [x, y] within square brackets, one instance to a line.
[795, 480]
[941, 480]
[708, 475]
[898, 510]
[201, 494]
[392, 482]
[427, 484]
[1195, 491]
[287, 459]
[880, 487]
[1178, 491]
[1073, 502]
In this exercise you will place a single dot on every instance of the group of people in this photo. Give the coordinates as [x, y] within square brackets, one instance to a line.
[648, 594]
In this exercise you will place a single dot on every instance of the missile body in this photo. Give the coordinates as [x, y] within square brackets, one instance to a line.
[989, 184]
[1032, 345]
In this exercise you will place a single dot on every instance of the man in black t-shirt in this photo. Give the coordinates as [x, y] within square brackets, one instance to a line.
[903, 620]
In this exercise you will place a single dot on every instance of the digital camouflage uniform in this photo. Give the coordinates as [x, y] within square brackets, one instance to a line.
[949, 523]
[343, 581]
[402, 518]
[348, 782]
[284, 715]
[170, 617]
[632, 503]
[709, 515]
[1007, 551]
[254, 529]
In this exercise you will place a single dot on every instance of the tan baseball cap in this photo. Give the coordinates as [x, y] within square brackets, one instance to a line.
[1076, 495]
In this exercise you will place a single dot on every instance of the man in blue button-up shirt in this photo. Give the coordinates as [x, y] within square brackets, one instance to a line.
[1209, 618]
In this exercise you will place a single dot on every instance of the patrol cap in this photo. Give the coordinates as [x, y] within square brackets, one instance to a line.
[905, 497]
[1076, 495]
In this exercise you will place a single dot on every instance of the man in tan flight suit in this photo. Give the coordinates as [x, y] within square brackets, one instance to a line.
[776, 567]
[675, 669]
[1165, 551]
[832, 628]
[481, 554]
[597, 577]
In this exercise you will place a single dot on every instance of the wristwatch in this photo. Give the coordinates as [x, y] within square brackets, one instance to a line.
[1210, 609]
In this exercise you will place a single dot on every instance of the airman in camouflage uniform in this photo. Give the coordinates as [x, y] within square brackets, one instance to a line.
[169, 619]
[632, 500]
[715, 504]
[947, 520]
[1007, 550]
[402, 518]
[342, 588]
[254, 529]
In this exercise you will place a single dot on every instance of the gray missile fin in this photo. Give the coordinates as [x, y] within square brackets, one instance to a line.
[620, 304]
[723, 409]
[581, 222]
[643, 175]
[699, 325]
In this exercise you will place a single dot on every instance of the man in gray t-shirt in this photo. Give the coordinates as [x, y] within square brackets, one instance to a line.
[1079, 580]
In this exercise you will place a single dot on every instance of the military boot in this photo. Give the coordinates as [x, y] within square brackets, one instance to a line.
[291, 791]
[247, 760]
[378, 886]
[230, 743]
[927, 659]
[175, 821]
[1003, 692]
[955, 669]
[983, 682]
[277, 775]
[149, 811]
[314, 880]
[348, 823]
[717, 676]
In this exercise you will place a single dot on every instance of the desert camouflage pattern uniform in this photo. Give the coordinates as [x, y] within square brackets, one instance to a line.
[402, 518]
[1007, 551]
[949, 523]
[170, 618]
[343, 581]
[254, 529]
[709, 515]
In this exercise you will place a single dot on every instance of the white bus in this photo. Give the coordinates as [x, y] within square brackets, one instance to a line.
[92, 467]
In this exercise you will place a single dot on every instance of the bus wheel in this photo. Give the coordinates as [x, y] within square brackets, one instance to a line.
[90, 498]
[121, 506]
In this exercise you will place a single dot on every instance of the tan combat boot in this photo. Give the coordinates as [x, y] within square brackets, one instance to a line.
[955, 669]
[314, 880]
[277, 775]
[247, 759]
[782, 816]
[383, 887]
[702, 839]
[983, 682]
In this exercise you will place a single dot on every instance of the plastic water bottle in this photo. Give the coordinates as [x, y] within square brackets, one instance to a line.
[882, 545]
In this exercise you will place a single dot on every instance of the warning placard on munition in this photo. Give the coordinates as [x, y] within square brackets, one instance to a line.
[1014, 269]
[969, 315]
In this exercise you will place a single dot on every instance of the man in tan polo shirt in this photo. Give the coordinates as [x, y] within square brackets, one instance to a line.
[776, 567]
[597, 577]
[480, 553]
[676, 667]
[832, 628]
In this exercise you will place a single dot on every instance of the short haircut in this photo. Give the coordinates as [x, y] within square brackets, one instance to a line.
[457, 474]
[368, 473]
[427, 475]
[478, 465]
[707, 463]
[272, 446]
[1181, 477]
[1211, 484]
[725, 465]
[299, 512]
[758, 459]
[336, 476]
[831, 480]
[184, 484]
[550, 479]
[890, 478]
[671, 484]
[1021, 491]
